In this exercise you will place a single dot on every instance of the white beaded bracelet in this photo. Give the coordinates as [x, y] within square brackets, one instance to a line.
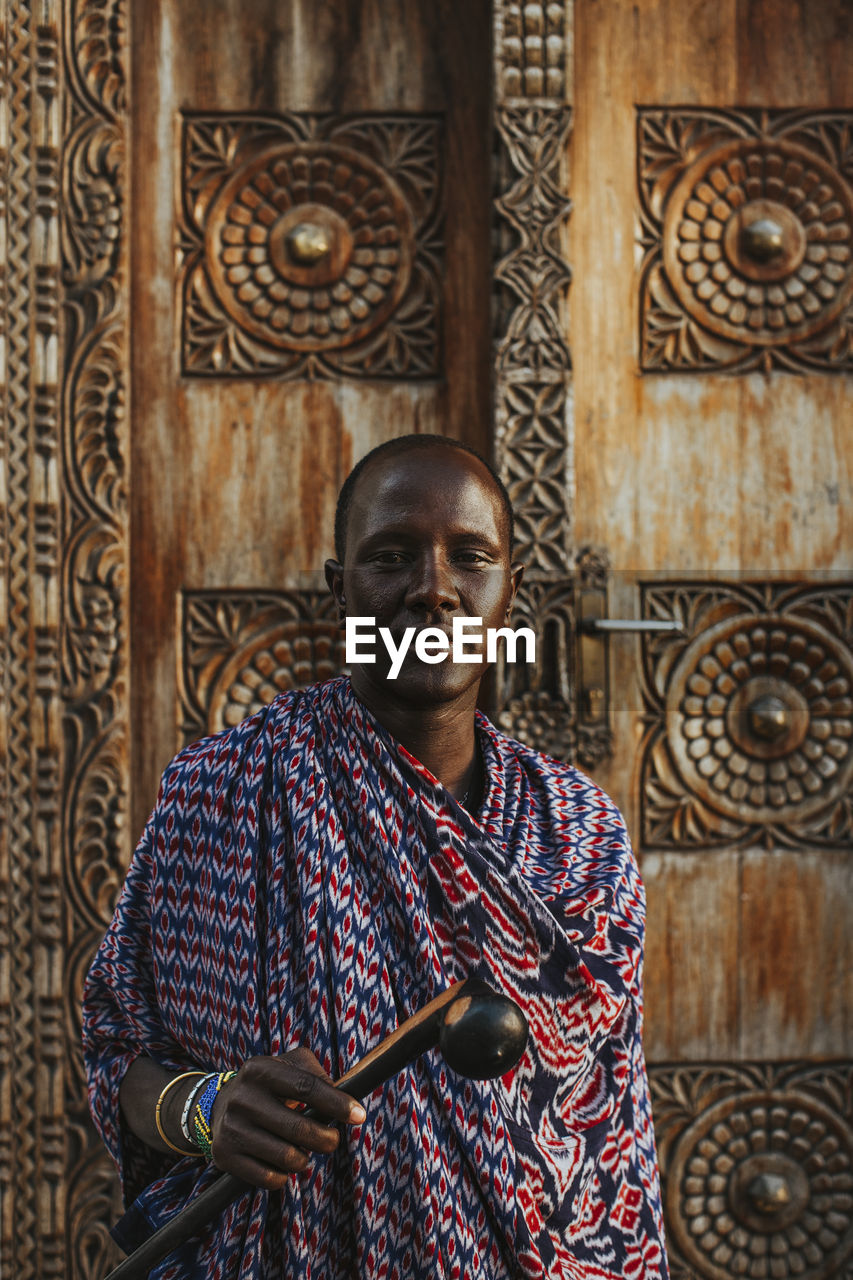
[188, 1105]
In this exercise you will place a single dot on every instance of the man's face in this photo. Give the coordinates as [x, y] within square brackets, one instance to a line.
[426, 542]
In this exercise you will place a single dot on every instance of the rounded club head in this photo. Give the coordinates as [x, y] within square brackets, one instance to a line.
[483, 1035]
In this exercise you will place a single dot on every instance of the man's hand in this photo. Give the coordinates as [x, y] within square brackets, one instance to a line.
[257, 1133]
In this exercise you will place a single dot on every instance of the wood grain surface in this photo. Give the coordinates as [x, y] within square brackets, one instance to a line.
[707, 475]
[234, 480]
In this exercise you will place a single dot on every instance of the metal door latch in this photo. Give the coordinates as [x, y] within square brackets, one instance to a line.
[594, 632]
[601, 626]
[561, 705]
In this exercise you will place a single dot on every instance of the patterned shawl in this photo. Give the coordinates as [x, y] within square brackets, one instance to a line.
[304, 880]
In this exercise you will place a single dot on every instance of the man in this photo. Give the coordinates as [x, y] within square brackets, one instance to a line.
[316, 875]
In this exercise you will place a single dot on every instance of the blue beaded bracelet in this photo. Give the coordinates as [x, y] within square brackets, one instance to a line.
[202, 1133]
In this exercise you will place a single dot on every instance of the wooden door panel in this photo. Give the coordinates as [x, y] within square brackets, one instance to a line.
[716, 788]
[692, 948]
[259, 376]
[712, 420]
[700, 471]
[791, 908]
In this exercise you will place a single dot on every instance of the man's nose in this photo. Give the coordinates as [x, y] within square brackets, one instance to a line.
[432, 585]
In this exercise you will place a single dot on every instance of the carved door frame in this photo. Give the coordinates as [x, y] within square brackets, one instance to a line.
[65, 536]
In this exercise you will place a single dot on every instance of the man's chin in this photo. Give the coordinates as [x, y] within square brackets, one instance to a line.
[422, 683]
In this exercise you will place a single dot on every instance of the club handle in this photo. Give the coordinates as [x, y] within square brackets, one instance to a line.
[408, 1042]
[212, 1202]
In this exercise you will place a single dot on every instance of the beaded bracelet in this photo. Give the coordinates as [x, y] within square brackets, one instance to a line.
[188, 1105]
[202, 1132]
[158, 1122]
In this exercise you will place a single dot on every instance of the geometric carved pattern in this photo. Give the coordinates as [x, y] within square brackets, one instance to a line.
[533, 426]
[32, 1046]
[533, 50]
[757, 1166]
[533, 433]
[94, 658]
[240, 649]
[63, 549]
[311, 246]
[532, 363]
[749, 715]
[747, 227]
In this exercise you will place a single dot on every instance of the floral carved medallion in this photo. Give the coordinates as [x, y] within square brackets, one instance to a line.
[240, 649]
[311, 246]
[757, 1165]
[747, 228]
[750, 718]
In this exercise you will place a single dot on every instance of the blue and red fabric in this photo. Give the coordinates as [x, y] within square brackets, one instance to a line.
[304, 880]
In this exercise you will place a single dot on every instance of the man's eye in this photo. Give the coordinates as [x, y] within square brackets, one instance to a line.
[473, 557]
[389, 558]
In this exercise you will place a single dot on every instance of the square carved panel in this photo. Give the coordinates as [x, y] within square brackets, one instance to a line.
[748, 715]
[311, 246]
[756, 1167]
[746, 230]
[240, 649]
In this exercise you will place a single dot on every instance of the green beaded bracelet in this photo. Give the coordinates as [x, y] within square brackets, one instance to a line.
[202, 1132]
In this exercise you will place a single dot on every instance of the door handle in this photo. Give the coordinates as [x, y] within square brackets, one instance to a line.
[609, 625]
[594, 630]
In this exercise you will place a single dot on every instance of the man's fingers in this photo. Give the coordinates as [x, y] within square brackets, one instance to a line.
[280, 1123]
[256, 1170]
[321, 1096]
[298, 1076]
[257, 1133]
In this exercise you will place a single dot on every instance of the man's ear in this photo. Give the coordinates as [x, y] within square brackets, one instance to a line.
[516, 574]
[335, 579]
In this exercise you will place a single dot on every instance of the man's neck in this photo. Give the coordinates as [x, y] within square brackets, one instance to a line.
[440, 735]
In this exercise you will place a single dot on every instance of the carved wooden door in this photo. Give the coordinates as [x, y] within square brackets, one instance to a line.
[243, 244]
[711, 245]
[316, 226]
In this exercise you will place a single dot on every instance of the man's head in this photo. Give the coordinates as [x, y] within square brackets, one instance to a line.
[394, 448]
[424, 536]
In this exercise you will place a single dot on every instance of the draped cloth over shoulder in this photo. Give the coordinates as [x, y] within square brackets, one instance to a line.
[304, 880]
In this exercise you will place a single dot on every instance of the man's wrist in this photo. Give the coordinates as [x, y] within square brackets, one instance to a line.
[169, 1109]
[202, 1112]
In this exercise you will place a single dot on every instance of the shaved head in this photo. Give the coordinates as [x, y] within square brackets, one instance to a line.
[408, 444]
